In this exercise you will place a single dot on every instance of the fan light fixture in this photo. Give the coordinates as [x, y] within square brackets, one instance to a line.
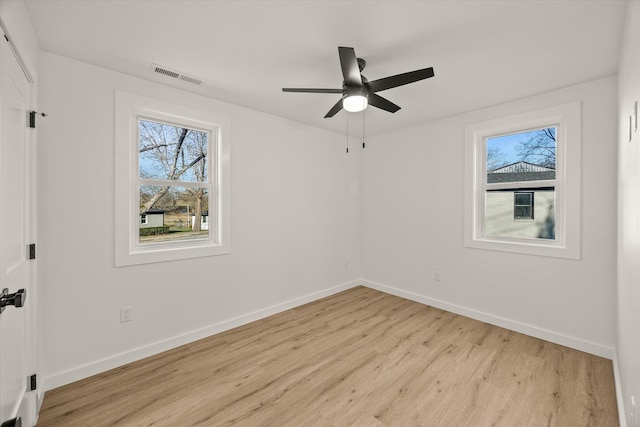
[356, 100]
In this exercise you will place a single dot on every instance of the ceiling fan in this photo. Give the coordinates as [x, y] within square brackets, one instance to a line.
[357, 92]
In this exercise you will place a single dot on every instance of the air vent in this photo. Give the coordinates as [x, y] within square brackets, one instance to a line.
[175, 74]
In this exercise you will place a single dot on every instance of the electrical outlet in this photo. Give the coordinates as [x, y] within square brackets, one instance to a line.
[346, 264]
[126, 314]
[437, 276]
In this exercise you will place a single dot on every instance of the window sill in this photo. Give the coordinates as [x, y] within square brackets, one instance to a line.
[539, 247]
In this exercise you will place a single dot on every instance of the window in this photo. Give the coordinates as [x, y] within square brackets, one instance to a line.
[522, 183]
[519, 165]
[172, 173]
[523, 205]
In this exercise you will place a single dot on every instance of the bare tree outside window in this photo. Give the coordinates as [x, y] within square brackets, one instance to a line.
[539, 148]
[171, 159]
[496, 158]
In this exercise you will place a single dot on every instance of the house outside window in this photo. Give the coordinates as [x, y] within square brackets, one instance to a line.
[172, 164]
[520, 196]
[522, 183]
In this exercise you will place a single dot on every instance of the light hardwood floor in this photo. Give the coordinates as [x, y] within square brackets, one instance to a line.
[357, 358]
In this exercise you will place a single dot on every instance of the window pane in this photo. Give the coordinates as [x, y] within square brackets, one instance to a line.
[525, 156]
[523, 198]
[172, 152]
[535, 220]
[173, 213]
[523, 212]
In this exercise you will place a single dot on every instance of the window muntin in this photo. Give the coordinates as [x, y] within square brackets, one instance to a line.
[556, 201]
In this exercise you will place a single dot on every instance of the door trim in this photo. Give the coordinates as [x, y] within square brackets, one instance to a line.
[16, 53]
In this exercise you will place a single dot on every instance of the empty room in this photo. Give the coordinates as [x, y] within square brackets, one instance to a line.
[319, 213]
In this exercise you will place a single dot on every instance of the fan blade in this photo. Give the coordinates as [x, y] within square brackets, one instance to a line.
[310, 90]
[400, 79]
[334, 109]
[382, 103]
[350, 68]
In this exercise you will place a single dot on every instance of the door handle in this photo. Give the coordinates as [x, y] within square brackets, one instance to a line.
[14, 422]
[16, 299]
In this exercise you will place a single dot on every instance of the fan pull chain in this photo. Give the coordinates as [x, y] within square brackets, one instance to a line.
[362, 128]
[347, 134]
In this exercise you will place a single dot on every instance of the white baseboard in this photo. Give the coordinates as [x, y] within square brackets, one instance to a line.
[554, 337]
[622, 420]
[114, 361]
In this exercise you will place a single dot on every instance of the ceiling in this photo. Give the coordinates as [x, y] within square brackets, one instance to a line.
[483, 52]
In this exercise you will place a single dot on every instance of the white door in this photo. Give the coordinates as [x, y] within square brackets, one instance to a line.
[17, 357]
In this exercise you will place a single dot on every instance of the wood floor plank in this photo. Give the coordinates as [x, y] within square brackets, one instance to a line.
[357, 358]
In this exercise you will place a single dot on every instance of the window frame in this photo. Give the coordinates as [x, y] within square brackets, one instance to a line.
[131, 108]
[531, 215]
[566, 119]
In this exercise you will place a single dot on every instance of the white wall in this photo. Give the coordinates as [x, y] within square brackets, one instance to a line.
[295, 221]
[413, 226]
[628, 346]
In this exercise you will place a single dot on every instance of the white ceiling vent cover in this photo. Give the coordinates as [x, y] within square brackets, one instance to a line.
[175, 74]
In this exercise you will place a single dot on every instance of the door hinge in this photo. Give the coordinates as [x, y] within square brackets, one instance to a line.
[32, 118]
[32, 251]
[33, 382]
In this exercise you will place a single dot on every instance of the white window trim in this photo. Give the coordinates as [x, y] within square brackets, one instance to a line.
[128, 108]
[567, 119]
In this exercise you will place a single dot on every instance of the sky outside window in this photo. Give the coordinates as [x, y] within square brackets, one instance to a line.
[536, 146]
